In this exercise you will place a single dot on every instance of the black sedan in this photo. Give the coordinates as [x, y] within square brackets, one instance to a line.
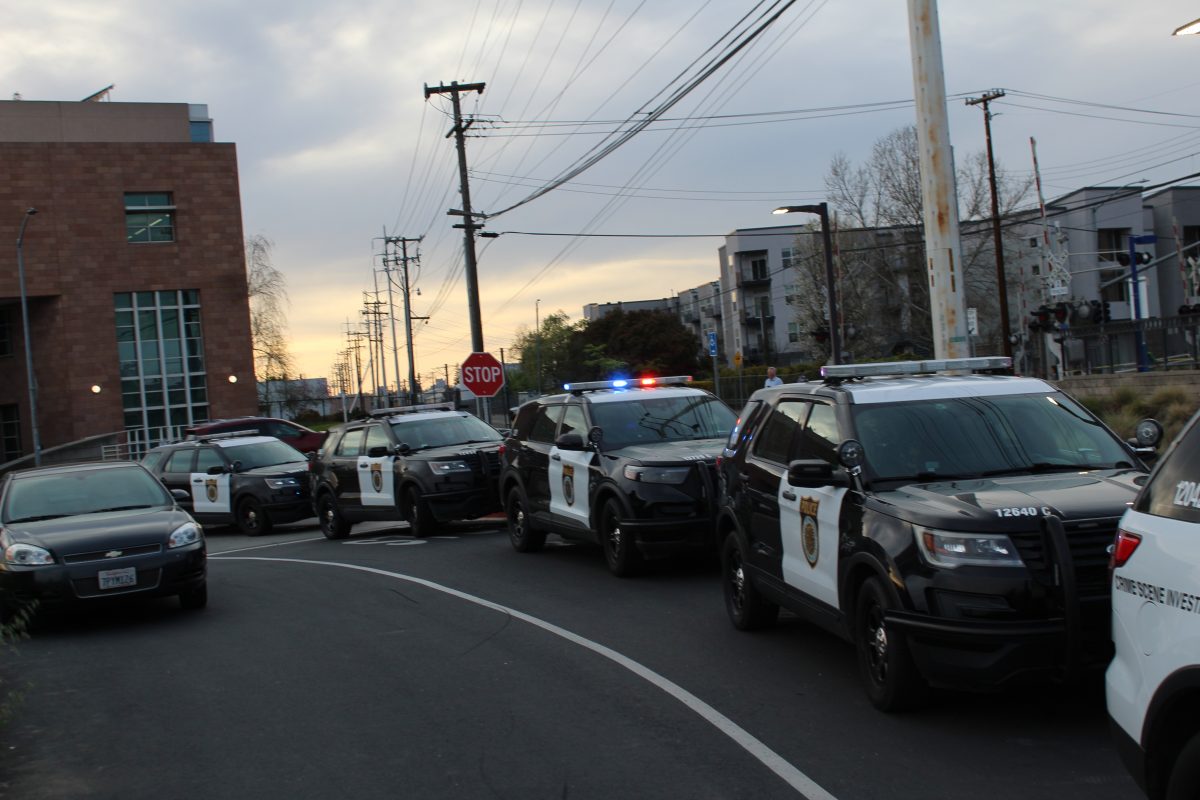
[85, 532]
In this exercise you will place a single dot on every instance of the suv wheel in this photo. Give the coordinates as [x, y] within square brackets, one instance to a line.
[416, 511]
[747, 609]
[333, 524]
[1185, 776]
[524, 537]
[251, 519]
[888, 672]
[622, 555]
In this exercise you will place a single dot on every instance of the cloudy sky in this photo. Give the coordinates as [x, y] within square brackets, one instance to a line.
[337, 144]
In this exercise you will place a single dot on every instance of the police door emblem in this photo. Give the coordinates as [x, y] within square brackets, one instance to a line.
[377, 477]
[569, 484]
[210, 489]
[808, 529]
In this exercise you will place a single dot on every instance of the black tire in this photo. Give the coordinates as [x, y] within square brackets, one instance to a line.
[889, 674]
[251, 518]
[747, 609]
[333, 524]
[194, 599]
[420, 519]
[620, 552]
[524, 536]
[1184, 781]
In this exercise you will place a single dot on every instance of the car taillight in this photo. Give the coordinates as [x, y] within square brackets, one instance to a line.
[1123, 548]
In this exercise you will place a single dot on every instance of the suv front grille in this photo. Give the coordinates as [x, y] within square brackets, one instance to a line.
[1088, 539]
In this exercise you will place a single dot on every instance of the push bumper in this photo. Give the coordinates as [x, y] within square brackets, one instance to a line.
[661, 537]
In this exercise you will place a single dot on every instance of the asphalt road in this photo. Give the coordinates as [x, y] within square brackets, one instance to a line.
[382, 666]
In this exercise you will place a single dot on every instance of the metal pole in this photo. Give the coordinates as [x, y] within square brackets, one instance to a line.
[835, 334]
[31, 379]
[537, 323]
[943, 250]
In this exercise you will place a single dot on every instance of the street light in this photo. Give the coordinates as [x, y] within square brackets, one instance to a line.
[1192, 27]
[30, 378]
[835, 335]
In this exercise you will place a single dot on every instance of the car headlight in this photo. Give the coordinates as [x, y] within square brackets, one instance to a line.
[657, 474]
[447, 467]
[187, 533]
[27, 555]
[950, 550]
[282, 483]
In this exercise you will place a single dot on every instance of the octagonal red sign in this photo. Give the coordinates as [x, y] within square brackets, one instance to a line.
[482, 374]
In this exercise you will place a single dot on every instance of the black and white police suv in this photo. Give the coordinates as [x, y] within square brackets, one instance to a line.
[1153, 683]
[954, 527]
[242, 479]
[425, 464]
[628, 464]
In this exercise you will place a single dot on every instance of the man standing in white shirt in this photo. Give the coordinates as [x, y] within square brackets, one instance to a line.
[772, 379]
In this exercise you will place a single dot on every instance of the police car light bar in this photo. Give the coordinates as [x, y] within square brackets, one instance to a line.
[915, 367]
[389, 412]
[628, 383]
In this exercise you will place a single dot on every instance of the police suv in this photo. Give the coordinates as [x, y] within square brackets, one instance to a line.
[1153, 683]
[628, 464]
[954, 527]
[424, 464]
[240, 478]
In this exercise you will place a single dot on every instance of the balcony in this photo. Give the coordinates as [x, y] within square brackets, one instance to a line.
[756, 280]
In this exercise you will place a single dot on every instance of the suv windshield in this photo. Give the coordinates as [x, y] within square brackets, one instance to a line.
[970, 437]
[67, 494]
[650, 419]
[263, 454]
[419, 434]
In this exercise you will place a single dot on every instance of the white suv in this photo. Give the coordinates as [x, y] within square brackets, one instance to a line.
[1153, 683]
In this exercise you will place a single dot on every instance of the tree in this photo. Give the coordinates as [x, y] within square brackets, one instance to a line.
[267, 288]
[547, 355]
[883, 289]
[639, 342]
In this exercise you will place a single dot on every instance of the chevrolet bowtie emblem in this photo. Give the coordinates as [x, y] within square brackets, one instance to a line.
[113, 553]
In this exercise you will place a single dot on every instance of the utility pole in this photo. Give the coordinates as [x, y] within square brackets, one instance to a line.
[468, 224]
[405, 289]
[997, 240]
[939, 200]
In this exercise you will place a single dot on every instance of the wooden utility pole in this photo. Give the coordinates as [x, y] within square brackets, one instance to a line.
[997, 240]
[468, 224]
[405, 289]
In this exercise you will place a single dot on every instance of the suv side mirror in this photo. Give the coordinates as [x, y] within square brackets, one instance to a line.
[181, 494]
[217, 469]
[569, 441]
[813, 472]
[378, 451]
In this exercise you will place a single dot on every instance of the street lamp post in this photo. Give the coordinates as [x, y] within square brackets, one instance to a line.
[835, 334]
[30, 378]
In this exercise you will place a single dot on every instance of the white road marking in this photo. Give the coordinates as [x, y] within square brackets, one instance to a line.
[768, 757]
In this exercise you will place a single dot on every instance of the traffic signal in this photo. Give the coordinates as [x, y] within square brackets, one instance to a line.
[1105, 312]
[1142, 258]
[1041, 319]
[821, 335]
[1062, 313]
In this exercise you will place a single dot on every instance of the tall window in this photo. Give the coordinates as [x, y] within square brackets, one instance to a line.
[789, 256]
[10, 433]
[149, 217]
[6, 334]
[1110, 242]
[161, 352]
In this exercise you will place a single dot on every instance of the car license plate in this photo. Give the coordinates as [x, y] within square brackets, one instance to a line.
[117, 578]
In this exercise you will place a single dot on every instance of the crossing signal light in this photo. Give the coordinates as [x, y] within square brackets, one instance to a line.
[1062, 312]
[1142, 258]
[821, 335]
[1041, 319]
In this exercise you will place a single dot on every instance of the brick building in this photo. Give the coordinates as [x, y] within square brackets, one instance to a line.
[135, 272]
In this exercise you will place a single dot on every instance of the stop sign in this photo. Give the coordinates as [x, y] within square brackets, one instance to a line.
[482, 374]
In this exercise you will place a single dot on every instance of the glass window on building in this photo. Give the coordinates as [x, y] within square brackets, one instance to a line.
[1110, 242]
[788, 255]
[10, 433]
[161, 359]
[149, 217]
[6, 333]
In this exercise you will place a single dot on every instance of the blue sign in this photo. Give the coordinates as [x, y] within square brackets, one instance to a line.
[712, 343]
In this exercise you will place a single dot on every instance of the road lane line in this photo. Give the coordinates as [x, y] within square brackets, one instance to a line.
[768, 757]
